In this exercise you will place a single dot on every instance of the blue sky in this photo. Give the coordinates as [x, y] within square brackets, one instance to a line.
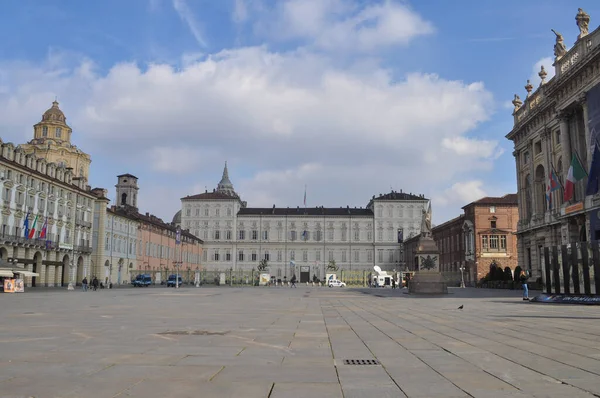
[348, 97]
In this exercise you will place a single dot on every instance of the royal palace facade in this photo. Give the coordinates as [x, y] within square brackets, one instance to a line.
[300, 240]
[555, 128]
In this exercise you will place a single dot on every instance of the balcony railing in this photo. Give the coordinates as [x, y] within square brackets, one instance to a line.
[83, 248]
[84, 223]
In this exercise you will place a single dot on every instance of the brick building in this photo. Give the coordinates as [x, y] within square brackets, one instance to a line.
[449, 237]
[489, 229]
[482, 236]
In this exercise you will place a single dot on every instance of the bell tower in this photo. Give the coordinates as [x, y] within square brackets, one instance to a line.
[127, 190]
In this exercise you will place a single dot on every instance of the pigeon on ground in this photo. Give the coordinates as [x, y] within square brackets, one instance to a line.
[461, 307]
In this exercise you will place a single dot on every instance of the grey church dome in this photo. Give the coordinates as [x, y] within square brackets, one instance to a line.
[177, 218]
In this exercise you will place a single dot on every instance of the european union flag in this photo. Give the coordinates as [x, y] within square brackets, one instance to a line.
[593, 184]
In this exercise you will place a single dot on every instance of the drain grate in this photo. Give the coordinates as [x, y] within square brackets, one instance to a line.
[194, 333]
[361, 362]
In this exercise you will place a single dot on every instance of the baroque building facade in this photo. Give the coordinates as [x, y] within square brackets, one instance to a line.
[58, 208]
[127, 242]
[52, 141]
[557, 123]
[299, 240]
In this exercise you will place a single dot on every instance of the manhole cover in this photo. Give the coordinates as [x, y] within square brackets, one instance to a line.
[361, 362]
[194, 333]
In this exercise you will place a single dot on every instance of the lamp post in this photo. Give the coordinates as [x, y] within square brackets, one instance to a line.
[462, 276]
[177, 243]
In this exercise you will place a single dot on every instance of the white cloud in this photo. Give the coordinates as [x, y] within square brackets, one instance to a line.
[282, 120]
[337, 25]
[535, 78]
[461, 193]
[187, 16]
[240, 11]
[471, 147]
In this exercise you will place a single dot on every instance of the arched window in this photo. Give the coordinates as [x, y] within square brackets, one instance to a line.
[123, 199]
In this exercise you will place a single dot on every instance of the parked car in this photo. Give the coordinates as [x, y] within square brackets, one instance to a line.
[173, 279]
[336, 283]
[142, 280]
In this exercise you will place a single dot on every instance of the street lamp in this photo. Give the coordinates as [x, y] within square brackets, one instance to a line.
[462, 276]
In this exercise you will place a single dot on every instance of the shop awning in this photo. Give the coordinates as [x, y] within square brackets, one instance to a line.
[6, 273]
[25, 273]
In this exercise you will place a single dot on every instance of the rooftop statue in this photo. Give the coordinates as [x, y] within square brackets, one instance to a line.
[426, 221]
[583, 21]
[559, 47]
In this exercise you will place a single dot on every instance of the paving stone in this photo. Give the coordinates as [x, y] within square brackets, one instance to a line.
[261, 341]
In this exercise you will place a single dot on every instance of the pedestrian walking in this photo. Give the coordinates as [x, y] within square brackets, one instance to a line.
[95, 284]
[523, 278]
[293, 281]
[84, 284]
[393, 283]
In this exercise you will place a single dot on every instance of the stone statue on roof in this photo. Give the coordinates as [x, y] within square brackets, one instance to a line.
[426, 221]
[559, 47]
[583, 20]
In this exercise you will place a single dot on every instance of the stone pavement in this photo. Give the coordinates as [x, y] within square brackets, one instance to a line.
[283, 342]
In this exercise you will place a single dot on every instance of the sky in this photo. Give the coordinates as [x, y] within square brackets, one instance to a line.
[344, 98]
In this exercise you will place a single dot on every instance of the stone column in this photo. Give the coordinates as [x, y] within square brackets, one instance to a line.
[547, 148]
[534, 196]
[565, 143]
[520, 190]
[582, 100]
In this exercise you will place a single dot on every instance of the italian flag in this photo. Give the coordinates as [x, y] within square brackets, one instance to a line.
[32, 232]
[576, 173]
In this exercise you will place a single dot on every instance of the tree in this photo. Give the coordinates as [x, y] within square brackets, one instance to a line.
[263, 265]
[332, 266]
[507, 274]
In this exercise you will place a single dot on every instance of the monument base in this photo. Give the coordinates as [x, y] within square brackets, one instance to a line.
[427, 282]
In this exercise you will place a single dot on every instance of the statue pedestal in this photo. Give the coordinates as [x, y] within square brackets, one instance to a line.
[428, 279]
[428, 283]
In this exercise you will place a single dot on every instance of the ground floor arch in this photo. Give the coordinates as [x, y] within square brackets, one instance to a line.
[38, 268]
[66, 268]
[80, 270]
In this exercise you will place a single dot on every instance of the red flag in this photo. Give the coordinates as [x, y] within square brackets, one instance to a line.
[43, 232]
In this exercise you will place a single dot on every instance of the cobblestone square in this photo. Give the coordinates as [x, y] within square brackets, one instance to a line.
[283, 342]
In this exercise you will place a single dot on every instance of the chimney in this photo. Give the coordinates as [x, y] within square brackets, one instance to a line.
[147, 214]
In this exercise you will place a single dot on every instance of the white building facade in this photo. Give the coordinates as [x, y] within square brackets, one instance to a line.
[238, 237]
[35, 189]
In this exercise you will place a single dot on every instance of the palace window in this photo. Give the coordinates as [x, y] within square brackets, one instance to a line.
[292, 255]
[493, 224]
[292, 235]
[493, 243]
[318, 255]
[228, 235]
[206, 212]
[356, 256]
[343, 235]
[218, 212]
[254, 255]
[344, 259]
[227, 255]
[370, 256]
[241, 255]
[356, 234]
[58, 131]
[330, 233]
[305, 255]
[380, 255]
[265, 235]
[318, 236]
[216, 255]
[330, 254]
[279, 255]
[217, 235]
[492, 209]
[241, 235]
[254, 234]
[228, 211]
[369, 235]
[266, 256]
[45, 131]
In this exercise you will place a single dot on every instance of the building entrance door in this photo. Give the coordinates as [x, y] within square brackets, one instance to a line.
[304, 273]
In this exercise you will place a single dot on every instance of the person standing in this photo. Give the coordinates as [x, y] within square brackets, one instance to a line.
[523, 278]
[84, 284]
[95, 284]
